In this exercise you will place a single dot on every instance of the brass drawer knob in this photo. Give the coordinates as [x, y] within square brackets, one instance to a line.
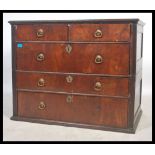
[68, 49]
[69, 79]
[41, 105]
[98, 86]
[98, 33]
[69, 99]
[40, 33]
[98, 59]
[40, 57]
[41, 82]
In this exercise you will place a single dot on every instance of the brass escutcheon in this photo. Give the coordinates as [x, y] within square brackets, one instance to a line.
[40, 57]
[98, 59]
[41, 105]
[98, 33]
[41, 82]
[69, 79]
[68, 49]
[69, 99]
[40, 33]
[98, 86]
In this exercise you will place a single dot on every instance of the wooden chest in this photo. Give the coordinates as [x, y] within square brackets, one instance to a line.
[84, 73]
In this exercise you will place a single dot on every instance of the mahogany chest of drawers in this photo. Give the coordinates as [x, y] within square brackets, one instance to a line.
[83, 73]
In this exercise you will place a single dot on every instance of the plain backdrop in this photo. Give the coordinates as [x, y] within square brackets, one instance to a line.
[17, 130]
[78, 5]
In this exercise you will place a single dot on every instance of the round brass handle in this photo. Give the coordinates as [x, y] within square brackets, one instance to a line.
[41, 105]
[98, 59]
[98, 33]
[40, 33]
[69, 99]
[41, 82]
[98, 86]
[40, 57]
[69, 79]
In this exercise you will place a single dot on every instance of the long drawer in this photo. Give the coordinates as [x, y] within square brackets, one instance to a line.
[75, 58]
[75, 83]
[74, 108]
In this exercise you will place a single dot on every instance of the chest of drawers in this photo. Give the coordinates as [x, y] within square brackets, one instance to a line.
[84, 73]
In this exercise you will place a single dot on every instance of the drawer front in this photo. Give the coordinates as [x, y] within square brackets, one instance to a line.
[41, 32]
[100, 32]
[76, 109]
[73, 83]
[82, 58]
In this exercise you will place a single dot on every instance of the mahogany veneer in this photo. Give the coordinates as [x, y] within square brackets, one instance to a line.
[84, 73]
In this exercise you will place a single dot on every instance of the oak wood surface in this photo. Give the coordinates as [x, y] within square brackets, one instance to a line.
[80, 60]
[110, 32]
[79, 84]
[116, 106]
[51, 32]
[83, 109]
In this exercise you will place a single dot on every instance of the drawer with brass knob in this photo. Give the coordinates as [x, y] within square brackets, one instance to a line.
[74, 108]
[85, 84]
[74, 58]
[45, 32]
[84, 73]
[100, 32]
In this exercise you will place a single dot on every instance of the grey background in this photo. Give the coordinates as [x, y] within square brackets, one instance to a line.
[13, 130]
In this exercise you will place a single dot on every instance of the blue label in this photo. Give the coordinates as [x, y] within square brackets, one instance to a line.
[19, 45]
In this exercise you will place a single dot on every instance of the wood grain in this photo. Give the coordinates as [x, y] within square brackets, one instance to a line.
[51, 32]
[117, 106]
[83, 109]
[110, 32]
[80, 60]
[80, 84]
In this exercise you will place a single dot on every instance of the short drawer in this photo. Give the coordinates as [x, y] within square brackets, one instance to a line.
[75, 58]
[100, 32]
[41, 32]
[75, 109]
[73, 83]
